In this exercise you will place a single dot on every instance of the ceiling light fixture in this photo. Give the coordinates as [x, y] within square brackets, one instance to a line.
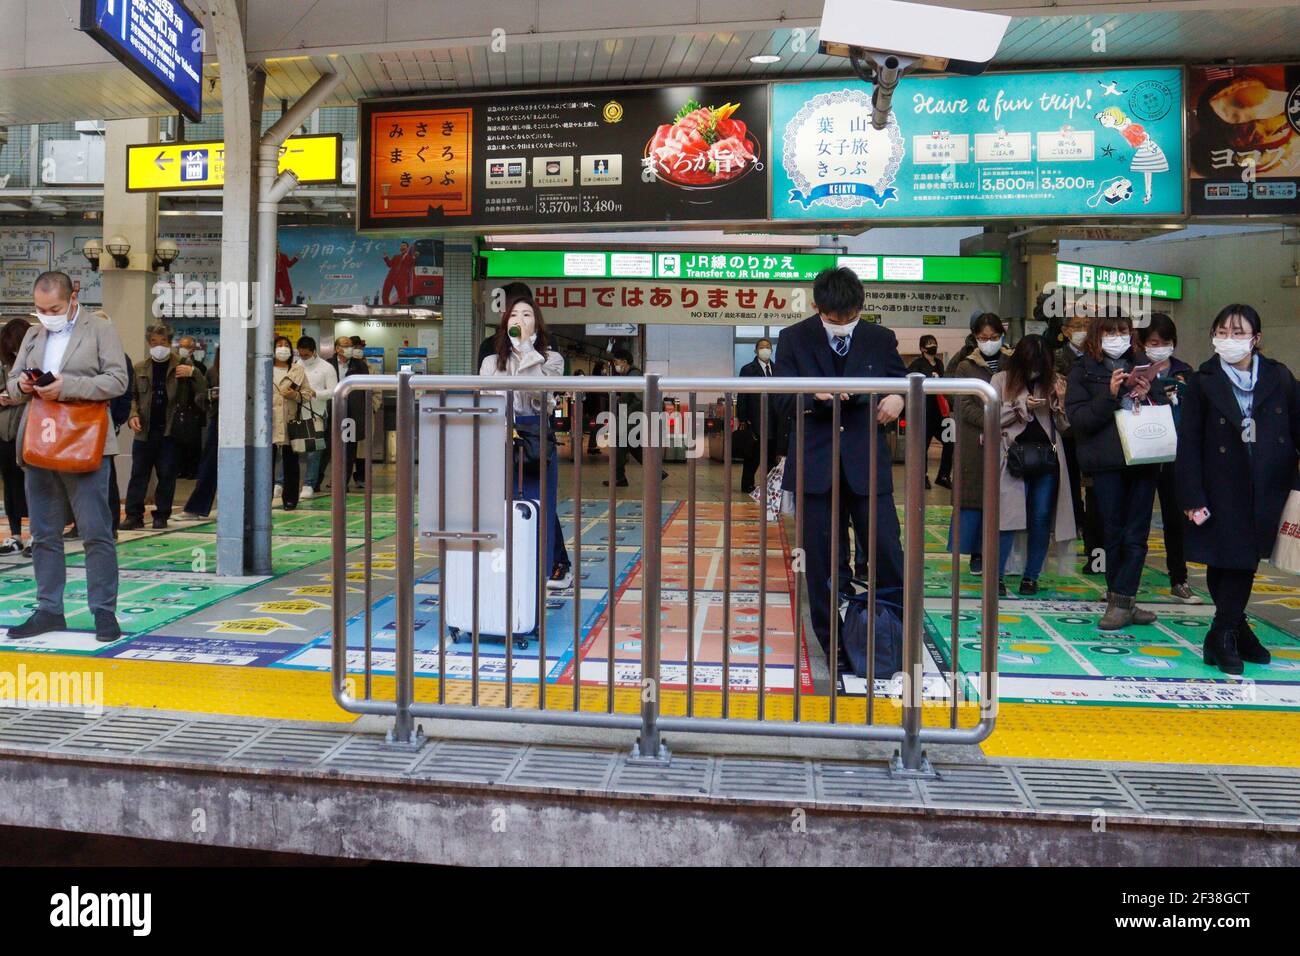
[765, 58]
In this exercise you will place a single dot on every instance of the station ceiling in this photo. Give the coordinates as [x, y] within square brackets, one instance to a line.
[35, 90]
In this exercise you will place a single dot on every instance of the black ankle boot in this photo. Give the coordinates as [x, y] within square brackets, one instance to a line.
[1248, 646]
[1221, 650]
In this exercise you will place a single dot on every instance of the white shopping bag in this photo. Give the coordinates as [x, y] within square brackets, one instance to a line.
[1286, 549]
[1147, 434]
[775, 475]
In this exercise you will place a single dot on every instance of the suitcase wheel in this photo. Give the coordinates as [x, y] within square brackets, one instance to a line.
[454, 634]
[521, 643]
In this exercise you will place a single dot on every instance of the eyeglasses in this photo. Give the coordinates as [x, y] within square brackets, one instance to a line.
[1233, 334]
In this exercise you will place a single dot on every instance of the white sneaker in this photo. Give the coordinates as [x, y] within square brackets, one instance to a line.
[189, 516]
[278, 492]
[11, 546]
[306, 492]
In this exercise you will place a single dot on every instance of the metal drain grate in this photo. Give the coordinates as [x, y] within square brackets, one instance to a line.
[973, 787]
[290, 745]
[121, 733]
[1074, 788]
[204, 740]
[472, 762]
[745, 777]
[1272, 797]
[371, 755]
[562, 767]
[42, 728]
[1182, 793]
[863, 783]
[684, 775]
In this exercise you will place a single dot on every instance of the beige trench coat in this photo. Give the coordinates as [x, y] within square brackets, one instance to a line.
[1011, 497]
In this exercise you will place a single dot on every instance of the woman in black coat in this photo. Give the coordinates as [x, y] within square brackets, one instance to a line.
[1099, 385]
[1237, 462]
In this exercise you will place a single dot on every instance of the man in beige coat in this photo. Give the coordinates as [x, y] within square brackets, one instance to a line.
[85, 356]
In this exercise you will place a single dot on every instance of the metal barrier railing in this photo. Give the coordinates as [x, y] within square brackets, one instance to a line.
[454, 400]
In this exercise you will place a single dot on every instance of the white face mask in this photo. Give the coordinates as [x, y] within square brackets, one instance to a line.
[1076, 338]
[358, 353]
[282, 354]
[1160, 352]
[183, 352]
[840, 330]
[159, 353]
[764, 354]
[991, 348]
[56, 323]
[1115, 345]
[1233, 350]
[198, 355]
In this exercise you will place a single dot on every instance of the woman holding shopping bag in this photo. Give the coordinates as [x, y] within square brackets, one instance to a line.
[1108, 378]
[1237, 463]
[1034, 493]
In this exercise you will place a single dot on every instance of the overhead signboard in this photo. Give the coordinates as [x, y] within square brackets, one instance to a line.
[166, 167]
[1158, 285]
[1243, 140]
[159, 41]
[1095, 143]
[682, 154]
[694, 266]
[620, 303]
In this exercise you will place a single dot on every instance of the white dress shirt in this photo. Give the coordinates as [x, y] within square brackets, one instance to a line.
[56, 344]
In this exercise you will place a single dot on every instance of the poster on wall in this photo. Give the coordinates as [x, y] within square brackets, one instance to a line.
[26, 253]
[338, 267]
[1044, 144]
[1243, 140]
[673, 154]
[629, 302]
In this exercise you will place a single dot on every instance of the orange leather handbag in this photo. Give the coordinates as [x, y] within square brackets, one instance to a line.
[65, 436]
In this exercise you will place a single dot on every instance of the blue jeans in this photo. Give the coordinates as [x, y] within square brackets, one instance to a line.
[1040, 503]
[313, 470]
[972, 526]
[559, 554]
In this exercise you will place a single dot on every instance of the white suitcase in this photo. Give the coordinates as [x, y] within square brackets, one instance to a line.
[492, 582]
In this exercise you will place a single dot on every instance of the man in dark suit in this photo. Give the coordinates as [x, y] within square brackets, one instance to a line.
[749, 413]
[835, 344]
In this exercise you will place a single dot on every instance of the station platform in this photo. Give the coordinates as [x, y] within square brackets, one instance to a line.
[259, 647]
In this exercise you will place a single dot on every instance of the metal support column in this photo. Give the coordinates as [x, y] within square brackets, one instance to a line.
[404, 732]
[911, 759]
[649, 747]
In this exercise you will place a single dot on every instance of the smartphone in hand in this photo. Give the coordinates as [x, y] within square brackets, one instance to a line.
[1200, 516]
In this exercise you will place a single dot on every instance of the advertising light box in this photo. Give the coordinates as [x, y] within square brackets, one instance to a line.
[1243, 143]
[682, 154]
[1096, 143]
[159, 41]
[692, 266]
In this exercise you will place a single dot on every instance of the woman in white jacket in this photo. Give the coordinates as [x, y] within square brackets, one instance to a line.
[521, 348]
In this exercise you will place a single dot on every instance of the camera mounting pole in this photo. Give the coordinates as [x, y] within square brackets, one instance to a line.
[882, 71]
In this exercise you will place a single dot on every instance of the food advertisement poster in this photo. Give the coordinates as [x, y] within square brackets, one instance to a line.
[1043, 144]
[674, 154]
[1243, 139]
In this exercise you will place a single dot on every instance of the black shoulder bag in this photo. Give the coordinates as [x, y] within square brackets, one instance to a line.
[1034, 459]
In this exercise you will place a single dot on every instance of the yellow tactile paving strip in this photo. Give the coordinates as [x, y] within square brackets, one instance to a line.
[1065, 732]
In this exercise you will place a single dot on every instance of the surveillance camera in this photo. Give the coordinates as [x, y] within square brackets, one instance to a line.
[885, 40]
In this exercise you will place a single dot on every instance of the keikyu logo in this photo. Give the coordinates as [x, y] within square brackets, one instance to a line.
[835, 157]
